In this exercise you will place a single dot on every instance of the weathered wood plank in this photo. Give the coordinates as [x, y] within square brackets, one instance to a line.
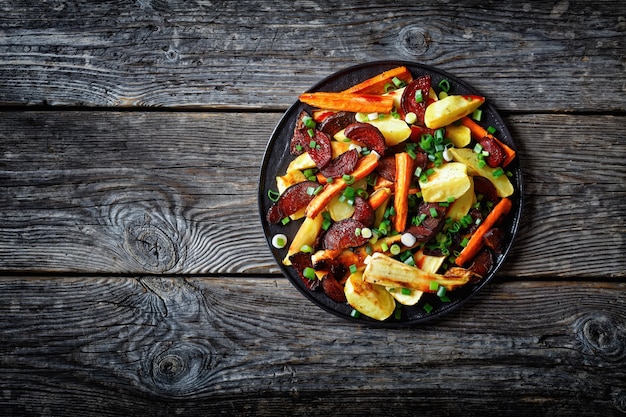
[547, 56]
[218, 346]
[168, 192]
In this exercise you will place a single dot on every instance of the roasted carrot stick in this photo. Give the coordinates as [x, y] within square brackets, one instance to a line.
[353, 102]
[378, 197]
[478, 132]
[404, 163]
[363, 168]
[376, 84]
[476, 241]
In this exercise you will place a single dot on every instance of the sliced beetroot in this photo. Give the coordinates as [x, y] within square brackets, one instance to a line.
[387, 168]
[482, 263]
[336, 122]
[363, 212]
[484, 187]
[430, 226]
[321, 152]
[418, 131]
[343, 235]
[408, 101]
[293, 199]
[300, 139]
[494, 239]
[343, 164]
[300, 261]
[496, 153]
[333, 289]
[368, 135]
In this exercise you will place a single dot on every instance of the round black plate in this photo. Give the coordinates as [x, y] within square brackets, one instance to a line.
[277, 158]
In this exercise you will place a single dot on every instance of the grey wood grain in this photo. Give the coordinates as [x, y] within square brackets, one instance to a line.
[254, 346]
[169, 192]
[555, 56]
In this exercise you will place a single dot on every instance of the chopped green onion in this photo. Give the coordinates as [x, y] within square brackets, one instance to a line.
[418, 96]
[384, 246]
[427, 308]
[498, 173]
[273, 195]
[434, 286]
[279, 241]
[285, 220]
[477, 115]
[491, 130]
[355, 314]
[326, 224]
[353, 268]
[478, 148]
[406, 291]
[349, 179]
[441, 291]
[309, 273]
[389, 87]
[444, 85]
[312, 144]
[397, 313]
[410, 118]
[433, 212]
[481, 163]
[398, 82]
[306, 249]
[465, 241]
[395, 249]
[308, 122]
[311, 133]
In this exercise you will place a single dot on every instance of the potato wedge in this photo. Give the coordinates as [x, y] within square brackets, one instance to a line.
[469, 158]
[306, 235]
[450, 109]
[369, 299]
[459, 135]
[448, 180]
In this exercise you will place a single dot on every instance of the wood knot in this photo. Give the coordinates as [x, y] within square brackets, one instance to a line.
[151, 247]
[601, 337]
[415, 40]
[181, 368]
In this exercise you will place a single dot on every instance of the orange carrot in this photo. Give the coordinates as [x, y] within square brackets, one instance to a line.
[404, 163]
[475, 243]
[363, 168]
[378, 197]
[353, 102]
[478, 132]
[376, 84]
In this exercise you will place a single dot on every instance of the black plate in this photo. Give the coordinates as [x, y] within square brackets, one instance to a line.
[277, 158]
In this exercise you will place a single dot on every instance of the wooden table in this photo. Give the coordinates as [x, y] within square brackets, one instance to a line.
[135, 276]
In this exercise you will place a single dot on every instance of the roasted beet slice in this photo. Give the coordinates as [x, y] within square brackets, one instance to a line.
[494, 239]
[482, 263]
[496, 153]
[484, 187]
[336, 122]
[300, 139]
[430, 226]
[343, 235]
[321, 152]
[293, 199]
[387, 168]
[363, 212]
[420, 87]
[368, 135]
[300, 261]
[333, 289]
[343, 164]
